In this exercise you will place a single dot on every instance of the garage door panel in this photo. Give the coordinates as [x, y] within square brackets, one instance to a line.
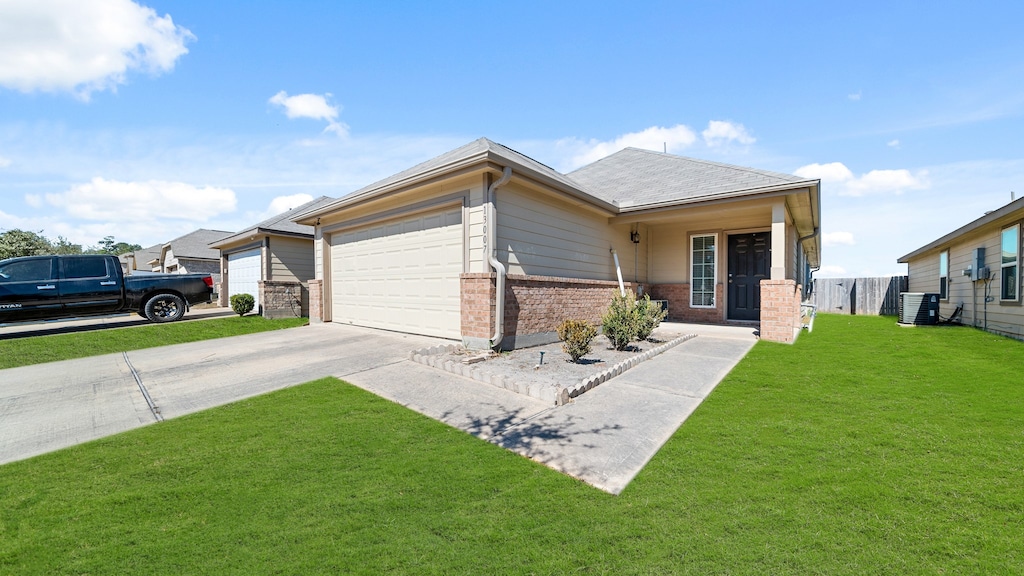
[244, 272]
[403, 275]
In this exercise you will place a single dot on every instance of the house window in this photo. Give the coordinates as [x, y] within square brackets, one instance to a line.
[702, 267]
[944, 276]
[1009, 263]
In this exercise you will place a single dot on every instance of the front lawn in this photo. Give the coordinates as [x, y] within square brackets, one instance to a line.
[16, 352]
[863, 449]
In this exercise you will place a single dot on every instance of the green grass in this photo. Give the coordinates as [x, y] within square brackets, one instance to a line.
[16, 352]
[863, 449]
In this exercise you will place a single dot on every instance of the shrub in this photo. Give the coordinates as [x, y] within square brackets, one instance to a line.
[242, 304]
[576, 336]
[620, 323]
[649, 316]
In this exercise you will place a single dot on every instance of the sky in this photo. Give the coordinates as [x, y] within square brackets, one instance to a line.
[147, 120]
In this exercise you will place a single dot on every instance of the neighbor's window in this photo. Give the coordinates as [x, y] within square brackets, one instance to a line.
[702, 266]
[1009, 263]
[944, 276]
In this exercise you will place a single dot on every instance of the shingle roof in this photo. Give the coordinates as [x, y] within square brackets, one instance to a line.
[478, 150]
[282, 223]
[1014, 209]
[142, 257]
[631, 179]
[634, 178]
[197, 244]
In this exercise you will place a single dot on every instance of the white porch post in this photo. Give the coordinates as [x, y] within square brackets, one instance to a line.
[778, 241]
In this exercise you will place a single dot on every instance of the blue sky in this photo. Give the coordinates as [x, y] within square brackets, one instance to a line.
[148, 120]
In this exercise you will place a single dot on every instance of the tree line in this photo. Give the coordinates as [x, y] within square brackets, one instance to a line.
[15, 242]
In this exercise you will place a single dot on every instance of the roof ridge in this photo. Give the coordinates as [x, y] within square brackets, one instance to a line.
[712, 163]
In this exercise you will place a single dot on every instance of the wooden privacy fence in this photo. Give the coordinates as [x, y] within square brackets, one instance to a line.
[865, 296]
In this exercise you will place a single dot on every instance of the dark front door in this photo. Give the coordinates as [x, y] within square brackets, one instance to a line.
[749, 263]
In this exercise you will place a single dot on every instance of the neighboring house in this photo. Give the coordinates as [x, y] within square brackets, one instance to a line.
[976, 268]
[486, 245]
[272, 261]
[191, 254]
[140, 260]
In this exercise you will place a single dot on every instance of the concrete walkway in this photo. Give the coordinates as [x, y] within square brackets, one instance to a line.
[604, 438]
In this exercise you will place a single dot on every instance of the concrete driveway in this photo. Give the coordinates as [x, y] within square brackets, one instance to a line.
[604, 438]
[50, 406]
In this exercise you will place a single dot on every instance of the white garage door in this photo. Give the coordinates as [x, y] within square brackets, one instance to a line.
[244, 272]
[401, 275]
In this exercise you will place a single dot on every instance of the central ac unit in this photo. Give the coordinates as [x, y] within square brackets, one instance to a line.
[919, 308]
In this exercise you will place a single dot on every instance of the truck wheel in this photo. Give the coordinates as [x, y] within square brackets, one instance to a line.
[165, 308]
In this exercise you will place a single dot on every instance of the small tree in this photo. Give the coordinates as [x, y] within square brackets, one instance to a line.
[620, 323]
[242, 304]
[576, 336]
[649, 317]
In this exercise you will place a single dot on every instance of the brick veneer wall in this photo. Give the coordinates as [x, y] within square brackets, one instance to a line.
[780, 310]
[316, 301]
[222, 294]
[282, 299]
[477, 295]
[679, 310]
[534, 306]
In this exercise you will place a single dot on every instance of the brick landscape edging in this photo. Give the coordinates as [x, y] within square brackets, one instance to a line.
[558, 396]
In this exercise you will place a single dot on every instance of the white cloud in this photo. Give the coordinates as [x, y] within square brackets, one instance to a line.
[720, 133]
[855, 96]
[837, 238]
[82, 46]
[312, 106]
[673, 139]
[4, 162]
[831, 272]
[150, 201]
[893, 143]
[285, 203]
[837, 175]
[34, 200]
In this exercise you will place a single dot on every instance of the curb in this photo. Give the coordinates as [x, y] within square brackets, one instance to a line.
[557, 396]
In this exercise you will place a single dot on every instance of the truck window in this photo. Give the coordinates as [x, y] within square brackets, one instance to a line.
[76, 268]
[27, 271]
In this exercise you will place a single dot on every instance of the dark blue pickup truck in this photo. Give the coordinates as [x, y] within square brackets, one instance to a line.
[49, 287]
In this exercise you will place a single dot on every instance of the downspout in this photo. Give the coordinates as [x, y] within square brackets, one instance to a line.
[492, 258]
[618, 272]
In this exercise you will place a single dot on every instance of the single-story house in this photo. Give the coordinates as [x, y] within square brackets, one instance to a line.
[190, 254]
[272, 261]
[976, 268]
[489, 246]
[139, 260]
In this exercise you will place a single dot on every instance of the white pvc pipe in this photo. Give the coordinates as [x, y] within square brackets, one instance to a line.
[618, 272]
[492, 259]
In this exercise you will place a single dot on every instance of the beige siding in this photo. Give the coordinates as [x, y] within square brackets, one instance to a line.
[291, 259]
[544, 236]
[998, 316]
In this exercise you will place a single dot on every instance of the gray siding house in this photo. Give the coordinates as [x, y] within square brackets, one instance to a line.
[273, 261]
[488, 246]
[976, 269]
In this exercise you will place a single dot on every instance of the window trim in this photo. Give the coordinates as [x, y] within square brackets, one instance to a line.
[944, 289]
[714, 277]
[1015, 265]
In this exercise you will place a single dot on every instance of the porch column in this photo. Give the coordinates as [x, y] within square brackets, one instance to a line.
[778, 241]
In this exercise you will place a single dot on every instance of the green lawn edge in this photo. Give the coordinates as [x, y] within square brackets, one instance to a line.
[864, 448]
[25, 351]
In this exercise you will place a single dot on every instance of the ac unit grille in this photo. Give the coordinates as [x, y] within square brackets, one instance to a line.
[919, 308]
